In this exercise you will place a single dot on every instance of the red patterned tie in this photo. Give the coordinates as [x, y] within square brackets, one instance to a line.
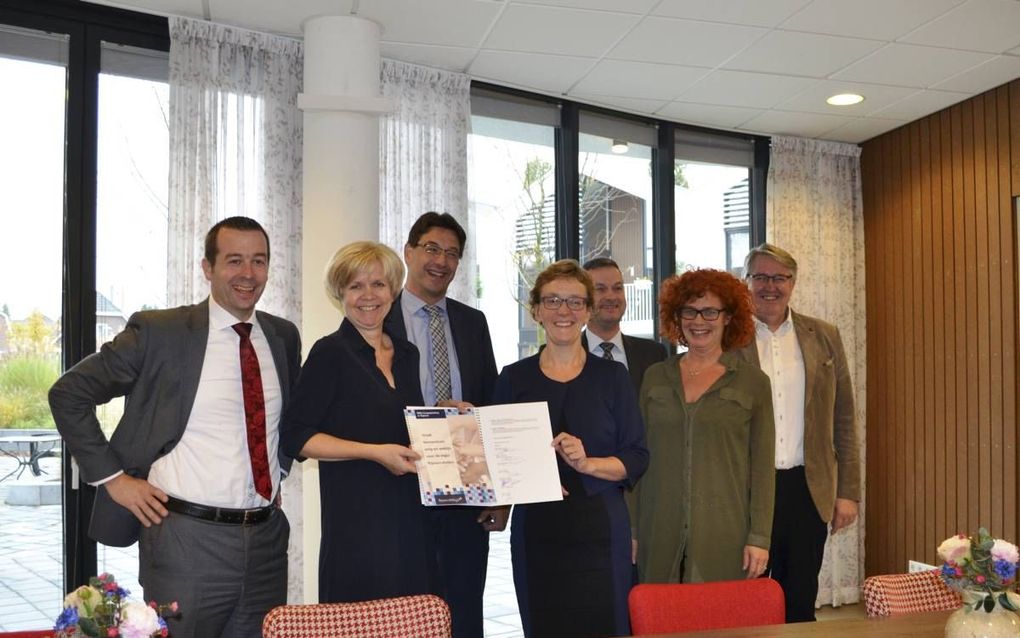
[254, 412]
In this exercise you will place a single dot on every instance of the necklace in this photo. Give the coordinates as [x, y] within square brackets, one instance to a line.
[691, 372]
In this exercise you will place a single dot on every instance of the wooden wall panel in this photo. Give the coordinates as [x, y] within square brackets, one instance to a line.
[941, 254]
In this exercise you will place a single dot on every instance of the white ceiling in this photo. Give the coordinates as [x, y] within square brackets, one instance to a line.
[762, 66]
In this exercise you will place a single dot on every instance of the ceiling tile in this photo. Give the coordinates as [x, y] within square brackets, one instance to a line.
[634, 105]
[794, 53]
[549, 73]
[794, 123]
[976, 25]
[762, 13]
[685, 42]
[989, 75]
[707, 114]
[275, 17]
[458, 23]
[630, 6]
[450, 58]
[638, 79]
[909, 65]
[535, 29]
[920, 104]
[749, 90]
[877, 19]
[862, 129]
[876, 96]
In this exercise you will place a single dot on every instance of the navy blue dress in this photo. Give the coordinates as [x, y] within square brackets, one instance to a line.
[571, 558]
[375, 532]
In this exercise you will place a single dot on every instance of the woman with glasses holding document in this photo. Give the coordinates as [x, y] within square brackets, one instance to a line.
[703, 512]
[571, 558]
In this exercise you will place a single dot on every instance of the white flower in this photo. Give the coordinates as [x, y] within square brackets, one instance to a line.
[1006, 551]
[955, 549]
[138, 620]
[84, 599]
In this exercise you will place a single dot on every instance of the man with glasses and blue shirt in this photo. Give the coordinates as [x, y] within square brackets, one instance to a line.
[818, 480]
[457, 368]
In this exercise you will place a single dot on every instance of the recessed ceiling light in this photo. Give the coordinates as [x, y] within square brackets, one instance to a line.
[620, 146]
[845, 99]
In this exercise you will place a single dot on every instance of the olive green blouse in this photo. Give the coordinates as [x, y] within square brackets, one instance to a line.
[710, 485]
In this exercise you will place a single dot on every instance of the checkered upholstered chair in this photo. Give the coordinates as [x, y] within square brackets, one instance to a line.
[895, 594]
[423, 616]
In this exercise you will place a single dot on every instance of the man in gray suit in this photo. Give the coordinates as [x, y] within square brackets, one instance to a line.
[818, 478]
[193, 469]
[603, 337]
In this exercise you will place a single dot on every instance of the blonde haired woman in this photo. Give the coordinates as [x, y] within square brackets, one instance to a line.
[347, 411]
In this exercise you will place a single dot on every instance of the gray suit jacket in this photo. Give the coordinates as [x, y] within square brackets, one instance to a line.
[831, 455]
[640, 352]
[156, 363]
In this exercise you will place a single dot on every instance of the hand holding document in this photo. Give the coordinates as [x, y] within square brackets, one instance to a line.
[493, 455]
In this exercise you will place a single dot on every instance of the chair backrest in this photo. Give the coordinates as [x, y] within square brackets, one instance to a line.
[658, 609]
[424, 616]
[38, 633]
[895, 594]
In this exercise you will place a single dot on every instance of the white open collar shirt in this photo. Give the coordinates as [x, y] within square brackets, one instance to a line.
[781, 358]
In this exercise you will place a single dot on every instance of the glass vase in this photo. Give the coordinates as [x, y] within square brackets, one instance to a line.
[966, 622]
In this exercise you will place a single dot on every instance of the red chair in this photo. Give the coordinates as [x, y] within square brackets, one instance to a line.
[660, 609]
[41, 633]
[424, 616]
[895, 594]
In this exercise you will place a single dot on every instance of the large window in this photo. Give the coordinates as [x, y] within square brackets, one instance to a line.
[32, 118]
[511, 192]
[82, 177]
[615, 208]
[712, 203]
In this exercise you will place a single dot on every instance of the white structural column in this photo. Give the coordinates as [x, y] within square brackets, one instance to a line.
[341, 105]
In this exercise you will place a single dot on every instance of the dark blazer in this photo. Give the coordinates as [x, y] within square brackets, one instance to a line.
[640, 352]
[472, 342]
[831, 456]
[156, 363]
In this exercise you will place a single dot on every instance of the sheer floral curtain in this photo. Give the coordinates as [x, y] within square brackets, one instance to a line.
[235, 149]
[814, 210]
[423, 157]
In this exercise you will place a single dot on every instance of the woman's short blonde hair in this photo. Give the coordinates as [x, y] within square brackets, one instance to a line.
[351, 259]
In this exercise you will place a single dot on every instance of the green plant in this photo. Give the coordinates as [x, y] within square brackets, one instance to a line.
[24, 383]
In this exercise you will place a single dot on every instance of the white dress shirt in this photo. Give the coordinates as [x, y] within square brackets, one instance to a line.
[210, 465]
[416, 320]
[781, 359]
[595, 346]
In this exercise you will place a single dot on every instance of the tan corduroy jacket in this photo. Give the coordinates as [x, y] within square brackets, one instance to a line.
[831, 453]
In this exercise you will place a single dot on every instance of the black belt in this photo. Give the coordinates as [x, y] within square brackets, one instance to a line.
[221, 514]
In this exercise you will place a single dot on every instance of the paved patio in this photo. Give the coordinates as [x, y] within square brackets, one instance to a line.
[31, 569]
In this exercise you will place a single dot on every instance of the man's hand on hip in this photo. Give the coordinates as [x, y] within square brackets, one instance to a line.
[843, 514]
[142, 498]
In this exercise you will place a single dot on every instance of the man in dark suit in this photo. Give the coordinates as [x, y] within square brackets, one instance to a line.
[193, 469]
[603, 337]
[818, 476]
[458, 368]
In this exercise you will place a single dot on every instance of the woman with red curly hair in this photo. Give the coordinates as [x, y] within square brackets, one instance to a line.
[703, 510]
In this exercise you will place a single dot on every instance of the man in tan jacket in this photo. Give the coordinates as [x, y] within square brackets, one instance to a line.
[818, 479]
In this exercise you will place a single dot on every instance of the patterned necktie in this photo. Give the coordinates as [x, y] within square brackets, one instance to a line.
[607, 350]
[440, 356]
[254, 412]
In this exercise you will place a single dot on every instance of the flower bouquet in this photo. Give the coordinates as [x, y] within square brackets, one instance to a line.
[101, 610]
[983, 569]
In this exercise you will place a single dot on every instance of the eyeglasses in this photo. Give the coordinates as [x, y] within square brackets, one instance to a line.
[435, 250]
[708, 314]
[761, 278]
[574, 303]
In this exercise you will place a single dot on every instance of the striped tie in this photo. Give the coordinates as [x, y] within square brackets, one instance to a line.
[607, 350]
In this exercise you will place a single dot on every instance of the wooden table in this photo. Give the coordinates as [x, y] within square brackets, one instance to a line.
[922, 625]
